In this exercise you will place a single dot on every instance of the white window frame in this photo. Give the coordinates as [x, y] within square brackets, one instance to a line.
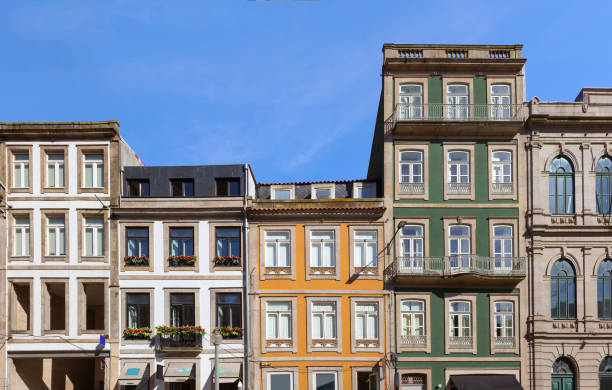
[460, 315]
[25, 231]
[57, 228]
[501, 178]
[367, 314]
[275, 188]
[411, 165]
[95, 180]
[512, 298]
[324, 315]
[277, 242]
[321, 243]
[330, 186]
[364, 187]
[56, 164]
[449, 299]
[414, 259]
[23, 165]
[458, 105]
[501, 109]
[504, 315]
[459, 164]
[87, 225]
[503, 259]
[458, 259]
[410, 106]
[364, 243]
[278, 314]
[411, 315]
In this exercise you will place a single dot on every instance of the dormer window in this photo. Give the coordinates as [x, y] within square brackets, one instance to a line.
[138, 187]
[280, 193]
[326, 191]
[364, 190]
[228, 187]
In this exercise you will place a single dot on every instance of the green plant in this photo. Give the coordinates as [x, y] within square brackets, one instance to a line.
[137, 333]
[136, 260]
[230, 331]
[178, 261]
[179, 330]
[227, 260]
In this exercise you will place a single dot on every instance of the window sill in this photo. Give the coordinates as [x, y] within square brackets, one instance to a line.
[149, 341]
[97, 259]
[137, 268]
[279, 344]
[233, 340]
[324, 345]
[62, 258]
[89, 331]
[20, 258]
[226, 268]
[191, 268]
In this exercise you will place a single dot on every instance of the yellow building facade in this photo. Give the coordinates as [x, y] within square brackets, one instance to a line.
[317, 307]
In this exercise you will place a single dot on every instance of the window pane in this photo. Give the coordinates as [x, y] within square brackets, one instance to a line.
[500, 89]
[282, 194]
[412, 156]
[317, 326]
[270, 255]
[325, 381]
[100, 175]
[88, 175]
[280, 382]
[283, 255]
[279, 306]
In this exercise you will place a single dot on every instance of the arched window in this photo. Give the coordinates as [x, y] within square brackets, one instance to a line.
[605, 373]
[459, 240]
[604, 288]
[563, 375]
[603, 185]
[413, 322]
[411, 101]
[411, 238]
[563, 290]
[561, 186]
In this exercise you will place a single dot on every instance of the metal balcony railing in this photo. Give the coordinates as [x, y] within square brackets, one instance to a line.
[412, 188]
[459, 264]
[459, 188]
[461, 341]
[457, 112]
[413, 341]
[502, 188]
[187, 341]
[504, 342]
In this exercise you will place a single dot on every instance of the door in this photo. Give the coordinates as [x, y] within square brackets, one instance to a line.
[563, 382]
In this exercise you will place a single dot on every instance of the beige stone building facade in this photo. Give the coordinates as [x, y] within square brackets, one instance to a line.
[569, 239]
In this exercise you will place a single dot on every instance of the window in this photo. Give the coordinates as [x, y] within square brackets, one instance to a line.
[322, 249]
[411, 101]
[413, 382]
[137, 241]
[366, 248]
[228, 241]
[457, 100]
[282, 193]
[563, 290]
[502, 167]
[364, 190]
[54, 295]
[137, 310]
[278, 321]
[323, 192]
[502, 247]
[460, 324]
[181, 241]
[563, 375]
[603, 185]
[94, 294]
[278, 249]
[182, 187]
[20, 308]
[93, 164]
[55, 170]
[56, 236]
[280, 381]
[182, 309]
[413, 322]
[366, 381]
[21, 236]
[504, 324]
[411, 167]
[323, 321]
[561, 186]
[94, 236]
[21, 170]
[604, 288]
[138, 187]
[500, 101]
[228, 187]
[411, 238]
[366, 321]
[325, 381]
[229, 309]
[605, 373]
[459, 171]
[459, 245]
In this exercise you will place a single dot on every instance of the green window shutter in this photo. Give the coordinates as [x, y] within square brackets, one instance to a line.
[480, 97]
[434, 99]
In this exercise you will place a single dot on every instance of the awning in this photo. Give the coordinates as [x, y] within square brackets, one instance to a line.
[133, 373]
[484, 382]
[179, 372]
[229, 372]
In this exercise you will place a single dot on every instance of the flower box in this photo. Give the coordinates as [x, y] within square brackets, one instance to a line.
[137, 333]
[182, 261]
[136, 261]
[230, 331]
[227, 261]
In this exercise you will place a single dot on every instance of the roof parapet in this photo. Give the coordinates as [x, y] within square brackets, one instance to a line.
[449, 51]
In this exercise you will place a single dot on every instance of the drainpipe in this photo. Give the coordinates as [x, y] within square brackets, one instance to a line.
[245, 281]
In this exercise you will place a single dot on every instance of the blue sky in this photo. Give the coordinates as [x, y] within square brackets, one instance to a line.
[290, 86]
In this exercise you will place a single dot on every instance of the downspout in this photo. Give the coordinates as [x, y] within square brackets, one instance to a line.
[245, 281]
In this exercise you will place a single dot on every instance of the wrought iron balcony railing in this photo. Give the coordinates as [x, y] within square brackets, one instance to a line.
[461, 341]
[459, 264]
[459, 188]
[502, 188]
[458, 112]
[504, 342]
[413, 341]
[180, 341]
[412, 188]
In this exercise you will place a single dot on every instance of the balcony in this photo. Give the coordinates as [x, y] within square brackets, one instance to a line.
[460, 268]
[502, 188]
[412, 188]
[504, 342]
[459, 188]
[180, 342]
[454, 119]
[461, 342]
